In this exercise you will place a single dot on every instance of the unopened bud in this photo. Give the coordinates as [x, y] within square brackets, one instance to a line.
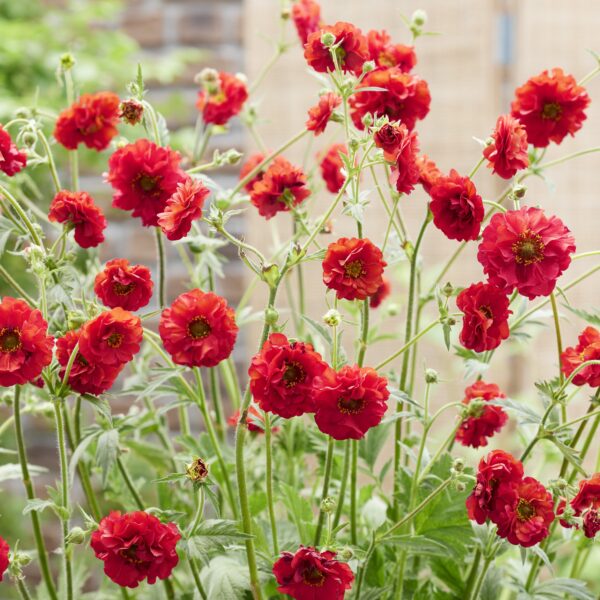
[29, 139]
[460, 486]
[286, 13]
[368, 66]
[419, 18]
[346, 553]
[232, 157]
[367, 120]
[354, 144]
[207, 76]
[197, 470]
[393, 309]
[76, 536]
[332, 318]
[328, 505]
[475, 408]
[458, 465]
[448, 290]
[67, 61]
[328, 39]
[519, 191]
[271, 316]
[270, 274]
[431, 376]
[131, 111]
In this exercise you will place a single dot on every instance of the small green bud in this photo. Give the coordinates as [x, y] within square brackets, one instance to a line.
[419, 18]
[29, 139]
[393, 309]
[270, 274]
[354, 144]
[475, 408]
[271, 316]
[368, 66]
[76, 536]
[460, 486]
[197, 470]
[328, 505]
[232, 157]
[332, 318]
[367, 120]
[67, 61]
[431, 376]
[519, 191]
[346, 553]
[448, 290]
[458, 465]
[328, 39]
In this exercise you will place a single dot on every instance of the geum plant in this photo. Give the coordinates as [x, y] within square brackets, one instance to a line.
[276, 508]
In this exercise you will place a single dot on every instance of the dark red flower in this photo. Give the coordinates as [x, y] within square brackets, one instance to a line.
[588, 348]
[183, 208]
[428, 172]
[12, 160]
[389, 138]
[199, 329]
[588, 495]
[485, 321]
[312, 575]
[550, 106]
[387, 54]
[319, 115]
[490, 419]
[255, 420]
[383, 291]
[508, 152]
[282, 187]
[131, 111]
[306, 15]
[79, 210]
[121, 284]
[253, 161]
[4, 562]
[331, 166]
[591, 523]
[92, 120]
[350, 48]
[135, 546]
[144, 176]
[405, 173]
[350, 401]
[456, 206]
[223, 99]
[405, 97]
[354, 268]
[282, 376]
[112, 338]
[525, 249]
[25, 346]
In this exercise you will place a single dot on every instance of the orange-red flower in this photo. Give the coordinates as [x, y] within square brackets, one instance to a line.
[428, 172]
[12, 160]
[331, 167]
[383, 291]
[508, 152]
[588, 348]
[387, 54]
[253, 161]
[319, 115]
[306, 15]
[4, 562]
[403, 152]
[550, 106]
[586, 503]
[223, 100]
[124, 285]
[255, 420]
[199, 329]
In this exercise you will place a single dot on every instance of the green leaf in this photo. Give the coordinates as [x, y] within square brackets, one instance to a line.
[528, 415]
[570, 455]
[225, 578]
[299, 510]
[170, 478]
[101, 406]
[13, 471]
[214, 536]
[371, 445]
[38, 505]
[593, 318]
[320, 329]
[107, 451]
[417, 544]
[558, 589]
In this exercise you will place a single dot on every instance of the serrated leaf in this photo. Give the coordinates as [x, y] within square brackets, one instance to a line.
[38, 505]
[13, 471]
[214, 535]
[569, 454]
[226, 579]
[319, 329]
[593, 318]
[529, 416]
[107, 451]
[417, 544]
[371, 445]
[558, 589]
[78, 454]
[101, 405]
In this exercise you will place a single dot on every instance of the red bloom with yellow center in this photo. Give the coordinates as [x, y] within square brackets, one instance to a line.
[550, 106]
[135, 546]
[428, 172]
[383, 291]
[387, 54]
[312, 575]
[92, 120]
[282, 376]
[198, 329]
[588, 348]
[144, 176]
[354, 268]
[350, 401]
[306, 15]
[4, 562]
[319, 115]
[222, 100]
[508, 152]
[12, 160]
[253, 161]
[527, 250]
[331, 165]
[25, 346]
[124, 285]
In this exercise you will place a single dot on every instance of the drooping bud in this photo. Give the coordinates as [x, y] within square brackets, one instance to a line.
[131, 111]
[197, 470]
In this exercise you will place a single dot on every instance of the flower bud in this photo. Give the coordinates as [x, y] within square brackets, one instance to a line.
[460, 486]
[419, 18]
[67, 61]
[197, 470]
[286, 13]
[448, 290]
[474, 408]
[346, 553]
[270, 274]
[368, 66]
[354, 144]
[23, 113]
[328, 39]
[367, 120]
[393, 309]
[519, 191]
[458, 465]
[76, 536]
[332, 318]
[328, 505]
[29, 139]
[271, 316]
[207, 76]
[431, 376]
[232, 157]
[131, 111]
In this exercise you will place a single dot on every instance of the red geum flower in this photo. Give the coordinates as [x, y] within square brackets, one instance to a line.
[591, 523]
[79, 210]
[525, 249]
[406, 97]
[198, 329]
[282, 376]
[112, 338]
[387, 54]
[405, 173]
[183, 208]
[85, 377]
[523, 511]
[389, 137]
[319, 115]
[485, 321]
[507, 154]
[131, 111]
[92, 120]
[124, 285]
[12, 160]
[588, 495]
[456, 206]
[383, 291]
[222, 99]
[489, 419]
[25, 346]
[350, 48]
[354, 268]
[282, 187]
[312, 575]
[428, 172]
[4, 562]
[253, 161]
[550, 106]
[497, 467]
[588, 348]
[255, 420]
[306, 15]
[331, 166]
[144, 176]
[135, 546]
[350, 401]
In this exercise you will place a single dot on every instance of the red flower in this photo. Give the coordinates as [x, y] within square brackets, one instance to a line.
[112, 338]
[588, 495]
[331, 167]
[591, 523]
[4, 562]
[456, 206]
[386, 54]
[255, 420]
[223, 100]
[490, 419]
[319, 115]
[282, 187]
[508, 153]
[253, 161]
[135, 546]
[550, 106]
[526, 250]
[588, 348]
[120, 284]
[350, 402]
[406, 97]
[383, 291]
[86, 376]
[282, 376]
[131, 112]
[92, 120]
[523, 512]
[485, 321]
[306, 15]
[25, 346]
[79, 210]
[497, 467]
[11, 159]
[183, 208]
[350, 48]
[405, 173]
[199, 329]
[312, 575]
[354, 268]
[144, 177]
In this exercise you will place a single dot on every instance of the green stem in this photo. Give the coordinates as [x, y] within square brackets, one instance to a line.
[476, 168]
[478, 585]
[7, 276]
[325, 490]
[559, 348]
[22, 215]
[73, 155]
[354, 492]
[51, 164]
[23, 591]
[196, 576]
[343, 484]
[471, 578]
[129, 483]
[269, 482]
[160, 255]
